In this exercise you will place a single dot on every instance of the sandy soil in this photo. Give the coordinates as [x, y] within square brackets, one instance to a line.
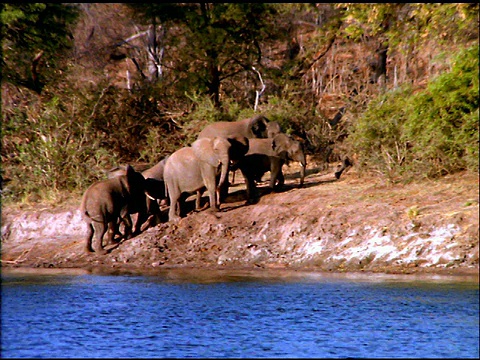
[353, 224]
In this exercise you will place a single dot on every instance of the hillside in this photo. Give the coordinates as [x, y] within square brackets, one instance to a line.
[346, 225]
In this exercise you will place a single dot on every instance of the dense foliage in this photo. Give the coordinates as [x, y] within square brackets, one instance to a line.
[86, 87]
[33, 37]
[428, 133]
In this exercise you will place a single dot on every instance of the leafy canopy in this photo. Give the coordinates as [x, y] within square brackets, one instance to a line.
[34, 30]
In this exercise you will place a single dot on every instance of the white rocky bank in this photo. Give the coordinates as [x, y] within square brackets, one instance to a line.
[297, 242]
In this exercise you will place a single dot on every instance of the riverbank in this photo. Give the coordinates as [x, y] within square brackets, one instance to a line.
[352, 224]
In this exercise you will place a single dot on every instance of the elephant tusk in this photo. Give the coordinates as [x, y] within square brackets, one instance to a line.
[151, 198]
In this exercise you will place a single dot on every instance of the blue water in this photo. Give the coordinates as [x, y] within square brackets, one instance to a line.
[71, 316]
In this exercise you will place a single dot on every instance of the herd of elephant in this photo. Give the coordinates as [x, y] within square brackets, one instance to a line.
[254, 146]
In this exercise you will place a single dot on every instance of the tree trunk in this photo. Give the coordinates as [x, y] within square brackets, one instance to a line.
[214, 82]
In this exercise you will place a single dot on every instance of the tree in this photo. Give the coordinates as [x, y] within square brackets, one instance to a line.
[33, 37]
[219, 40]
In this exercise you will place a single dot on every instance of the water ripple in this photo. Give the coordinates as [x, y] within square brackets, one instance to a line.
[133, 316]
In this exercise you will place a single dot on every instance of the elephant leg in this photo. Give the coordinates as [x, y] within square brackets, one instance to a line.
[89, 237]
[181, 209]
[252, 192]
[127, 222]
[116, 230]
[154, 210]
[274, 170]
[174, 211]
[212, 193]
[223, 192]
[276, 175]
[112, 227]
[100, 230]
[198, 200]
[251, 188]
[113, 231]
[280, 180]
[141, 219]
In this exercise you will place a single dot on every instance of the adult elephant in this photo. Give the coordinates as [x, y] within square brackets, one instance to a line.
[107, 201]
[155, 190]
[273, 128]
[254, 127]
[270, 155]
[204, 164]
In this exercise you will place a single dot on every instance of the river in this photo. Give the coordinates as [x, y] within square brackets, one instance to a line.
[258, 314]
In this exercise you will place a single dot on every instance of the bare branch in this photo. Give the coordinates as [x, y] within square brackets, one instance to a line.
[258, 93]
[133, 37]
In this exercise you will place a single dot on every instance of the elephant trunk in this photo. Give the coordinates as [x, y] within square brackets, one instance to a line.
[224, 171]
[220, 190]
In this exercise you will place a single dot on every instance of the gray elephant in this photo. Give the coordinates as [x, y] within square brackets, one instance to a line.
[254, 127]
[106, 201]
[273, 128]
[154, 192]
[202, 165]
[270, 155]
[155, 189]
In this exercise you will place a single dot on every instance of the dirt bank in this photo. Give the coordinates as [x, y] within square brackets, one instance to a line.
[348, 225]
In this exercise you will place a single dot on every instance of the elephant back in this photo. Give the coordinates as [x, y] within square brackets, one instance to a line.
[261, 146]
[156, 171]
[255, 127]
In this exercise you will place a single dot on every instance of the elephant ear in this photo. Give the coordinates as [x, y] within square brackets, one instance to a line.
[136, 181]
[221, 147]
[129, 170]
[273, 128]
[209, 150]
[239, 147]
[258, 126]
[280, 144]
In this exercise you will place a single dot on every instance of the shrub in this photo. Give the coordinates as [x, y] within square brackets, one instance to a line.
[67, 142]
[442, 122]
[429, 133]
[46, 151]
[376, 137]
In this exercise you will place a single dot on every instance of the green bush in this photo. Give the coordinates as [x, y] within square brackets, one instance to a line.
[442, 122]
[66, 143]
[376, 137]
[47, 151]
[429, 133]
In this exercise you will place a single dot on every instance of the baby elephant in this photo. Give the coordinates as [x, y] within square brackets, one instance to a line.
[107, 201]
[269, 155]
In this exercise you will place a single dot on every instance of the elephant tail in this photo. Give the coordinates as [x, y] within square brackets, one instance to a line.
[90, 218]
[83, 211]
